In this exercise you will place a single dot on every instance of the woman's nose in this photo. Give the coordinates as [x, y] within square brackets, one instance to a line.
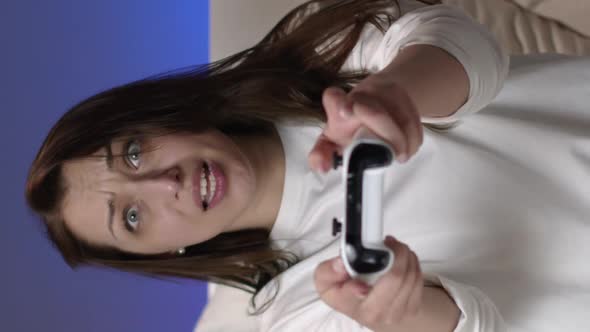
[168, 182]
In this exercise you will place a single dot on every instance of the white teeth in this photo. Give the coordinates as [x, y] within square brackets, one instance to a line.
[212, 182]
[204, 187]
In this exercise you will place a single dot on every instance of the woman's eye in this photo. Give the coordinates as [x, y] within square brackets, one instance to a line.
[131, 219]
[133, 153]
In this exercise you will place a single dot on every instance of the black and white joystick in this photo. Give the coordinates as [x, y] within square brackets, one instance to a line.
[364, 161]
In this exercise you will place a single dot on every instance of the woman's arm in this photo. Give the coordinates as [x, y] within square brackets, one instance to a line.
[435, 81]
[422, 81]
[397, 302]
[458, 46]
[434, 65]
[402, 300]
[438, 313]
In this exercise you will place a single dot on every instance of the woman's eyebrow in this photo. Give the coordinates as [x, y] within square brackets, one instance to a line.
[111, 207]
[109, 158]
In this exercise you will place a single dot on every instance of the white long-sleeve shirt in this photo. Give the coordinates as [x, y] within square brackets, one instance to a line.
[487, 66]
[446, 27]
[496, 209]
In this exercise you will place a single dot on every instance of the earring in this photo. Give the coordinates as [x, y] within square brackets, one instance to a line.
[181, 251]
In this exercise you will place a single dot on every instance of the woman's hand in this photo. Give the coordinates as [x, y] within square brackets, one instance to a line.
[389, 305]
[377, 103]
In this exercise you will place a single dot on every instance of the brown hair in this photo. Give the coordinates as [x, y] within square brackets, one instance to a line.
[281, 77]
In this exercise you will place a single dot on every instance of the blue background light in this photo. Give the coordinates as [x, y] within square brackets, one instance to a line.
[53, 54]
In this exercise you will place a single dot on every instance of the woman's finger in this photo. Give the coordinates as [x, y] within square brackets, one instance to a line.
[399, 307]
[336, 288]
[372, 115]
[328, 274]
[389, 285]
[415, 300]
[339, 129]
[319, 159]
[401, 128]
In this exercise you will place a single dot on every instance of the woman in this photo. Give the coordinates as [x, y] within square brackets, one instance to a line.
[199, 174]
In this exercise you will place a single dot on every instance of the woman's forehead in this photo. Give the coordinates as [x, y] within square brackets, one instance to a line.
[86, 172]
[85, 205]
[88, 179]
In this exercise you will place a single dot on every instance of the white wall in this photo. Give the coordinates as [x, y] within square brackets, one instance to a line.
[238, 24]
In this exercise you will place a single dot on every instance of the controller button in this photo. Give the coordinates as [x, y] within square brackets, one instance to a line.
[336, 227]
[336, 160]
[384, 260]
[351, 254]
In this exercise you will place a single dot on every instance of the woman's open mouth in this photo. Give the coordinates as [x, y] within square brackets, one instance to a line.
[211, 183]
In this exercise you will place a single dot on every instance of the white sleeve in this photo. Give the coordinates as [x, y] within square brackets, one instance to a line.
[447, 27]
[307, 312]
[298, 307]
[478, 312]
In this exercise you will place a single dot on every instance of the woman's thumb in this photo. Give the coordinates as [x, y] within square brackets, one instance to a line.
[334, 100]
[339, 126]
[329, 273]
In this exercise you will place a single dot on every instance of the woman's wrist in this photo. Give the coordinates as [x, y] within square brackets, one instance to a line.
[435, 80]
[438, 313]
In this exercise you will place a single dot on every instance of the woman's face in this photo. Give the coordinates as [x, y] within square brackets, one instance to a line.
[145, 196]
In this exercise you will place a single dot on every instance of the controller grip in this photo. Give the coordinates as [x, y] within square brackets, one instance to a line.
[372, 214]
[367, 156]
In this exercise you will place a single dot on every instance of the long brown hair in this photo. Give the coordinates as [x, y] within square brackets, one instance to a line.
[281, 77]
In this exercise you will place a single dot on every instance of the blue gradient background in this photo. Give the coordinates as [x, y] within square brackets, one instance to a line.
[53, 54]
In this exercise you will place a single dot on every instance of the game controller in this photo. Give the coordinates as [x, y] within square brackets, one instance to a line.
[363, 252]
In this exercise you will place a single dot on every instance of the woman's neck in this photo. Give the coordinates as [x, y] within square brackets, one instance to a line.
[268, 160]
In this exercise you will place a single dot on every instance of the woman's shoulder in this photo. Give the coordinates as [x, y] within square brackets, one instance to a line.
[293, 291]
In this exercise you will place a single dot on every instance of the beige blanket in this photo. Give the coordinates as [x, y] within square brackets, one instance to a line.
[534, 26]
[571, 13]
